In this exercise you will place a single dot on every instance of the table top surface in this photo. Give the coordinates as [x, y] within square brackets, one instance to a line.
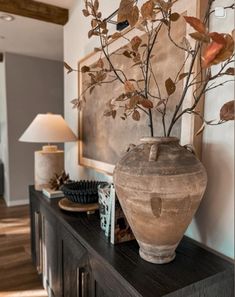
[192, 265]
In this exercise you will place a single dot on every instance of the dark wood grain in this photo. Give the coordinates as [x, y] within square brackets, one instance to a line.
[36, 10]
[195, 272]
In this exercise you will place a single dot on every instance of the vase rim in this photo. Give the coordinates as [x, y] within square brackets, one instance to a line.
[161, 139]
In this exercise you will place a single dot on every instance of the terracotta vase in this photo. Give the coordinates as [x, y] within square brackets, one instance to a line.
[159, 184]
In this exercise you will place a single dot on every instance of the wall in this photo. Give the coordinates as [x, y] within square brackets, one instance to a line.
[76, 46]
[33, 86]
[3, 127]
[213, 224]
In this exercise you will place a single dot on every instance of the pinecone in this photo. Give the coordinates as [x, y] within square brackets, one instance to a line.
[58, 180]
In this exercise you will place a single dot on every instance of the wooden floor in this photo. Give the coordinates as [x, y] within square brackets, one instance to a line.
[18, 277]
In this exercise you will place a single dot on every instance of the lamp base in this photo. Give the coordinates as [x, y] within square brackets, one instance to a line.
[48, 162]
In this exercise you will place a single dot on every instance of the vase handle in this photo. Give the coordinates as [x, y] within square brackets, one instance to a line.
[190, 148]
[153, 154]
[130, 147]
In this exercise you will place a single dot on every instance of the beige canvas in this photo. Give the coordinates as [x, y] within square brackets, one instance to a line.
[104, 139]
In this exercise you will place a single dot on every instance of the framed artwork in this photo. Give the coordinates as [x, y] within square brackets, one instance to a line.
[103, 140]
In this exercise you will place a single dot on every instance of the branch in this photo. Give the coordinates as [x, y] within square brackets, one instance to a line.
[226, 7]
[219, 85]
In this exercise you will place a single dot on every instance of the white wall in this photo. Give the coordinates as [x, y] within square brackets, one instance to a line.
[76, 46]
[213, 225]
[214, 222]
[4, 156]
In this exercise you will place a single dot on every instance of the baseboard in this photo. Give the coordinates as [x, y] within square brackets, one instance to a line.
[17, 203]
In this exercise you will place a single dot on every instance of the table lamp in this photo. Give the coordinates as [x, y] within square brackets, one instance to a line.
[48, 128]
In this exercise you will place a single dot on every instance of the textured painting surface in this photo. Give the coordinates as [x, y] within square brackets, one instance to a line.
[105, 139]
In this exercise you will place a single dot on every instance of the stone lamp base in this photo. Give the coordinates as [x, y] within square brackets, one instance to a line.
[48, 161]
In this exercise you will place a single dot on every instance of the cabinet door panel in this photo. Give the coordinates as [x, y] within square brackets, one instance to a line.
[97, 290]
[50, 254]
[104, 282]
[75, 272]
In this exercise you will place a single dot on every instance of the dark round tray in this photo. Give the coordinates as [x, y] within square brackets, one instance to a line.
[84, 192]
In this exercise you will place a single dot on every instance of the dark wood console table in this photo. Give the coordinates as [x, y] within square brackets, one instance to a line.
[75, 259]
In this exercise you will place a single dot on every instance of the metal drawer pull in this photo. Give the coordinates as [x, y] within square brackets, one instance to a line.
[84, 283]
[38, 243]
[81, 284]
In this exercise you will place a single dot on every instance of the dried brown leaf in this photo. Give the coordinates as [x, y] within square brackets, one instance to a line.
[146, 103]
[183, 75]
[90, 33]
[91, 89]
[135, 43]
[114, 113]
[174, 16]
[108, 113]
[94, 23]
[160, 102]
[85, 69]
[133, 101]
[211, 51]
[96, 5]
[133, 17]
[217, 37]
[100, 63]
[97, 49]
[68, 67]
[166, 6]
[230, 71]
[170, 86]
[227, 111]
[101, 76]
[226, 52]
[103, 25]
[129, 87]
[200, 37]
[127, 54]
[136, 115]
[85, 12]
[196, 23]
[147, 10]
[125, 9]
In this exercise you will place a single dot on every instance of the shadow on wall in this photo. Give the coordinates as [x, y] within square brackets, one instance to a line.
[210, 219]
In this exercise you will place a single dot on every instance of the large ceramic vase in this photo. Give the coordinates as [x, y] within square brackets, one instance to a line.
[159, 184]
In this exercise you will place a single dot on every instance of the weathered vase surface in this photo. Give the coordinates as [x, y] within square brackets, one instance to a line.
[160, 185]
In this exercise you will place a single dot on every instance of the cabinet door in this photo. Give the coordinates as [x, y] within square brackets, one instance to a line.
[75, 270]
[50, 254]
[36, 234]
[104, 283]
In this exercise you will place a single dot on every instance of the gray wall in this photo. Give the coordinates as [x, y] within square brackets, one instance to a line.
[33, 86]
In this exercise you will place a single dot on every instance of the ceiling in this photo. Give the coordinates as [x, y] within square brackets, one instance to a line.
[61, 3]
[32, 37]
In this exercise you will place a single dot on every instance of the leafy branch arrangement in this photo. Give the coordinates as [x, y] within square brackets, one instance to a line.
[209, 48]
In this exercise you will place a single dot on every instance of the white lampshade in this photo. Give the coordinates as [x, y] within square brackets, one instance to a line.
[48, 128]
